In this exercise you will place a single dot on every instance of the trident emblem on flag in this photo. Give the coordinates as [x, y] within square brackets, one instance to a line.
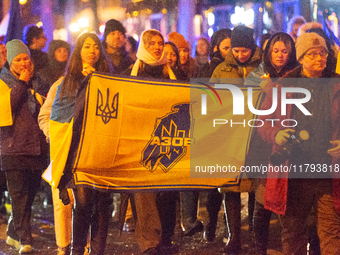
[109, 110]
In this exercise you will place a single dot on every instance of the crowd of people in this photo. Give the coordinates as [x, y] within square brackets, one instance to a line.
[35, 85]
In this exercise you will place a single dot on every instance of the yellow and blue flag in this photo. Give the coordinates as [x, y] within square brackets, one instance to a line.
[124, 133]
[6, 118]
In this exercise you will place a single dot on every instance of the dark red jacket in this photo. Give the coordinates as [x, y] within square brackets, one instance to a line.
[275, 197]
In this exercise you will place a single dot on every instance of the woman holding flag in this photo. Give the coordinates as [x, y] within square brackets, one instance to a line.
[92, 207]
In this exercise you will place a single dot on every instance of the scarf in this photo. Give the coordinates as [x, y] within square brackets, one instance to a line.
[147, 58]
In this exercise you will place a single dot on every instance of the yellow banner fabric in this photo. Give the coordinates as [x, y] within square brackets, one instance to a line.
[142, 134]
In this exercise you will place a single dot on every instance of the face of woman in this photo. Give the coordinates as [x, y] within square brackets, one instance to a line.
[90, 52]
[21, 62]
[183, 55]
[61, 54]
[202, 47]
[170, 55]
[156, 47]
[279, 55]
[224, 47]
[242, 54]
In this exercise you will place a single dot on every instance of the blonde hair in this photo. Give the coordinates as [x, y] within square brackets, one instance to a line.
[147, 36]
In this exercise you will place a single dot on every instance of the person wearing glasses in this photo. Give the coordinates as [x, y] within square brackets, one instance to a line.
[292, 195]
[35, 40]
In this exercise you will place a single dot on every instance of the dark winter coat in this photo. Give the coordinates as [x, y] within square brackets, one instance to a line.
[125, 61]
[39, 59]
[229, 68]
[190, 68]
[22, 141]
[207, 69]
[50, 73]
[275, 198]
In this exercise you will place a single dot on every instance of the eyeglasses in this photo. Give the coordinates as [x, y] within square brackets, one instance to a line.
[314, 55]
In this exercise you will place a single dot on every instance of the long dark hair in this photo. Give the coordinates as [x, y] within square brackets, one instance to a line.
[216, 40]
[291, 63]
[75, 65]
[174, 48]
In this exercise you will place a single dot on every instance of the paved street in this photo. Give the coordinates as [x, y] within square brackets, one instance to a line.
[43, 233]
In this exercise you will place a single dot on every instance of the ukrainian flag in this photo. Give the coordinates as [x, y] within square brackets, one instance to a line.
[5, 105]
[61, 125]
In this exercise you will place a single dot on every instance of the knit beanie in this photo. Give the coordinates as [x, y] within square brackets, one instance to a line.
[308, 41]
[242, 36]
[178, 39]
[14, 48]
[113, 25]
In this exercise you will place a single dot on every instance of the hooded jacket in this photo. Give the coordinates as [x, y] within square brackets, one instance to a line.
[215, 56]
[52, 72]
[266, 67]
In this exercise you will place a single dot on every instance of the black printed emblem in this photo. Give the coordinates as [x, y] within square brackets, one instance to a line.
[107, 110]
[170, 139]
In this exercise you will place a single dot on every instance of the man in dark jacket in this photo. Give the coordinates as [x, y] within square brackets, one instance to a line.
[113, 45]
[35, 40]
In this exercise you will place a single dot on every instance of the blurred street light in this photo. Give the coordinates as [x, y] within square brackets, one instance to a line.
[83, 22]
[102, 28]
[74, 27]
